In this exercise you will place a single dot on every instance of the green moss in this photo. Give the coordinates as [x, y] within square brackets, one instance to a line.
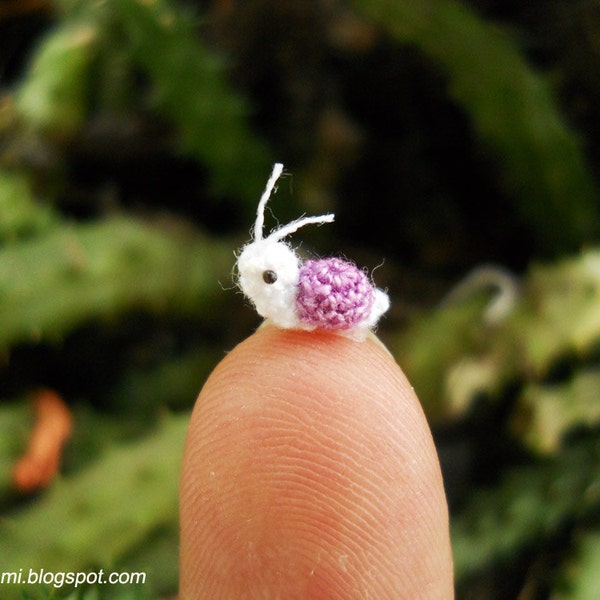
[528, 507]
[16, 419]
[21, 215]
[580, 578]
[453, 355]
[550, 411]
[54, 96]
[190, 86]
[95, 517]
[511, 108]
[76, 273]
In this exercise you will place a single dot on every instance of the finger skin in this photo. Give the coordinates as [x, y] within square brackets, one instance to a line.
[310, 473]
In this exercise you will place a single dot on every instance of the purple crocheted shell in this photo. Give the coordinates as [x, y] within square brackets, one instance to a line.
[333, 294]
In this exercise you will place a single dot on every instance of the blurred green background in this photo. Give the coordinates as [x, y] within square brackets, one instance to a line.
[458, 144]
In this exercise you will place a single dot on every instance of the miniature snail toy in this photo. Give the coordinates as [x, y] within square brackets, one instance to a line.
[330, 293]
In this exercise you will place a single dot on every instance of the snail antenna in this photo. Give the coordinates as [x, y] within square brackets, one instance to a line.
[286, 230]
[260, 211]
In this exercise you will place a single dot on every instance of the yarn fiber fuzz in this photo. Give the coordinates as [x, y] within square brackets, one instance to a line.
[333, 294]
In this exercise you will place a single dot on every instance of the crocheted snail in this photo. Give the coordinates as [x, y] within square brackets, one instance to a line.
[330, 293]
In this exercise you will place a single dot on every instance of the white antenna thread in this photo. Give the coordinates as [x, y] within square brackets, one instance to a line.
[286, 230]
[260, 211]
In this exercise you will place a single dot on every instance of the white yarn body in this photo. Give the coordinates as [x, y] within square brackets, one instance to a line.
[276, 301]
[380, 306]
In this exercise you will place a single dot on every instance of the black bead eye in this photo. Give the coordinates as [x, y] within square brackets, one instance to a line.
[269, 277]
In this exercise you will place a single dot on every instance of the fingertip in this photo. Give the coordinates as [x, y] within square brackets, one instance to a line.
[310, 472]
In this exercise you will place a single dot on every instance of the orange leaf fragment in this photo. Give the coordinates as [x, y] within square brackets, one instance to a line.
[53, 427]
